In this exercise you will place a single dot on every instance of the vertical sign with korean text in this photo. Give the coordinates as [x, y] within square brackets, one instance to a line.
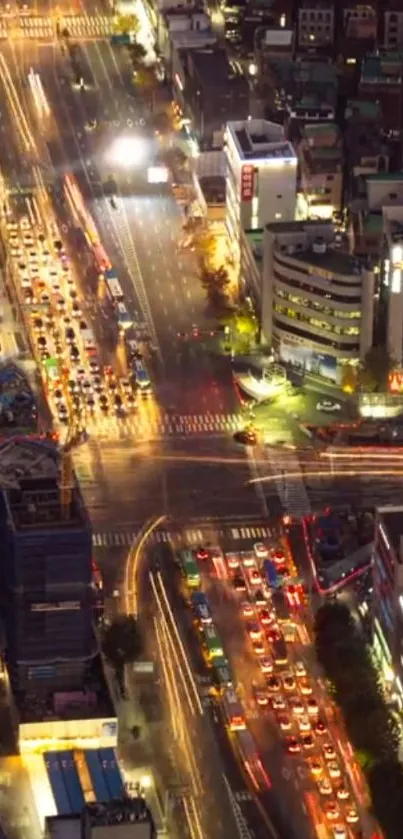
[247, 182]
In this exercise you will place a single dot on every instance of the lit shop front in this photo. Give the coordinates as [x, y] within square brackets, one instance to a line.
[67, 734]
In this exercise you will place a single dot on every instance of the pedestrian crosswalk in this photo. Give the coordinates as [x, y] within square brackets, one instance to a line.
[289, 481]
[193, 537]
[86, 27]
[148, 427]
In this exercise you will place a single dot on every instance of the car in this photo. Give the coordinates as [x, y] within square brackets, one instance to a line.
[272, 633]
[273, 684]
[76, 310]
[293, 745]
[297, 706]
[255, 578]
[262, 698]
[131, 400]
[266, 665]
[334, 769]
[305, 687]
[284, 722]
[304, 724]
[254, 631]
[258, 648]
[343, 794]
[260, 550]
[58, 395]
[202, 554]
[320, 728]
[299, 669]
[90, 403]
[339, 831]
[260, 598]
[316, 768]
[312, 707]
[232, 561]
[247, 609]
[288, 681]
[70, 335]
[278, 703]
[307, 741]
[238, 582]
[248, 560]
[74, 354]
[352, 815]
[125, 385]
[266, 617]
[332, 811]
[41, 341]
[38, 325]
[325, 787]
[328, 751]
[328, 406]
[247, 437]
[278, 556]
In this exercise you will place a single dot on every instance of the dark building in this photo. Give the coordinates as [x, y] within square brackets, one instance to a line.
[46, 570]
[216, 91]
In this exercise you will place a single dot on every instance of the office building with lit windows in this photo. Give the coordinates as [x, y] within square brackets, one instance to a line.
[316, 301]
[261, 176]
[387, 600]
[392, 275]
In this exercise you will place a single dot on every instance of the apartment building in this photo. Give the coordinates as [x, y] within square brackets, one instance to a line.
[261, 175]
[321, 169]
[387, 600]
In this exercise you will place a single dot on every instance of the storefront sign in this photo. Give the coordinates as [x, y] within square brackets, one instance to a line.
[247, 183]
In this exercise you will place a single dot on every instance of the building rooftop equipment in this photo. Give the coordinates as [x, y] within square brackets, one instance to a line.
[90, 701]
[258, 139]
[129, 817]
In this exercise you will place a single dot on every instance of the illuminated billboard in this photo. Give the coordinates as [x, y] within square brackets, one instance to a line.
[247, 182]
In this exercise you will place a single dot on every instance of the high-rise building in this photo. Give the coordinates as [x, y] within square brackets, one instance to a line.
[46, 570]
[387, 602]
[316, 301]
[261, 176]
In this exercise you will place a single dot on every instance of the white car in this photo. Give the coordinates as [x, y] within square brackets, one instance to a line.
[261, 551]
[329, 406]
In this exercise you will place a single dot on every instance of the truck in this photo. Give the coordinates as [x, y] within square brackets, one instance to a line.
[280, 651]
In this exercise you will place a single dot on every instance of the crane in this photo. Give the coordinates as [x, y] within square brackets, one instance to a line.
[75, 435]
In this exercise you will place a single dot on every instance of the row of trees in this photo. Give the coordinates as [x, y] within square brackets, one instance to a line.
[371, 726]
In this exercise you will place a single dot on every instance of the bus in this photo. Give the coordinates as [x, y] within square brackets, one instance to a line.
[212, 642]
[201, 607]
[113, 287]
[233, 710]
[190, 569]
[222, 673]
[141, 376]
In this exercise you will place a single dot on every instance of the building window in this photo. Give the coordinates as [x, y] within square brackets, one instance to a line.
[279, 196]
[393, 195]
[392, 18]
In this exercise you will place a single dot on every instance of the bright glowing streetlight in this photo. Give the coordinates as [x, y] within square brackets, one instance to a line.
[128, 152]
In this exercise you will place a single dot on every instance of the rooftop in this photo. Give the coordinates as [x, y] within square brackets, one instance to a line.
[392, 520]
[323, 159]
[363, 109]
[335, 262]
[373, 223]
[30, 480]
[258, 139]
[120, 811]
[320, 129]
[90, 701]
[18, 411]
[389, 177]
[303, 227]
[214, 68]
[382, 68]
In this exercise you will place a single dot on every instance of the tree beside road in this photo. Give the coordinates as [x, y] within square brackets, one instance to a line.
[372, 728]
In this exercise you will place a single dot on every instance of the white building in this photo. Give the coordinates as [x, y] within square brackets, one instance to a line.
[261, 175]
[392, 279]
[316, 301]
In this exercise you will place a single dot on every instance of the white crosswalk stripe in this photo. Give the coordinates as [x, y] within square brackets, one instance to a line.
[291, 490]
[193, 538]
[164, 426]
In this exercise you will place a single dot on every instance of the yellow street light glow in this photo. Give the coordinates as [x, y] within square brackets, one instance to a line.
[128, 152]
